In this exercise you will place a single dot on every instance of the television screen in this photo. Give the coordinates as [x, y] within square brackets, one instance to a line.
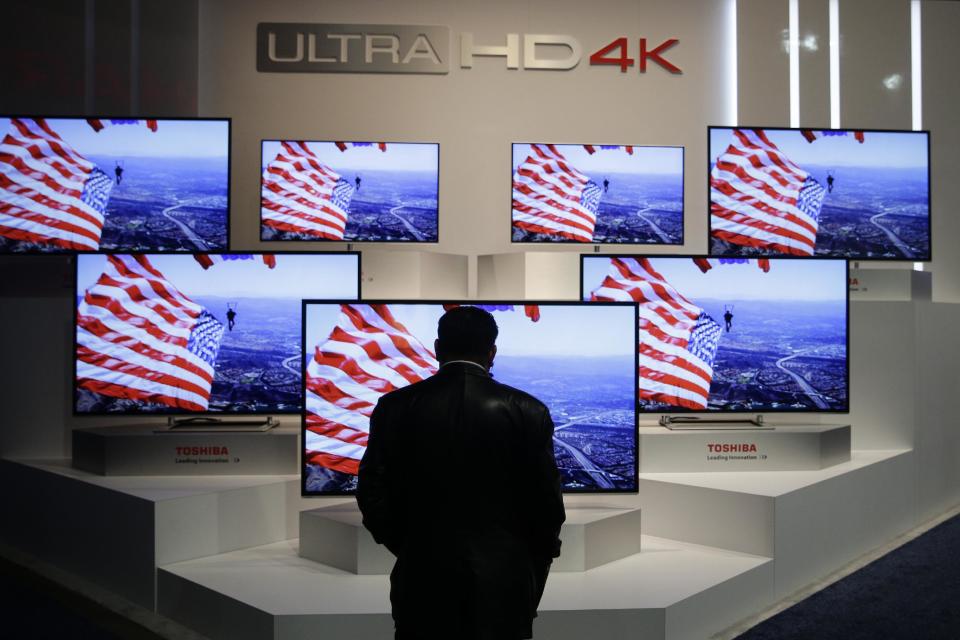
[357, 352]
[616, 194]
[349, 191]
[733, 334]
[855, 194]
[217, 333]
[98, 184]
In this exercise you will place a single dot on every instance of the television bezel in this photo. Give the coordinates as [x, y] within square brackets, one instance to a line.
[929, 255]
[721, 412]
[410, 301]
[345, 240]
[74, 252]
[169, 411]
[547, 243]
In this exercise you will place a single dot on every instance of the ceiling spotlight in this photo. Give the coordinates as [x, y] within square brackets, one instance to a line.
[893, 82]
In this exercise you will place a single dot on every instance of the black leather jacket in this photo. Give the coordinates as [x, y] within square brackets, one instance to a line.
[460, 482]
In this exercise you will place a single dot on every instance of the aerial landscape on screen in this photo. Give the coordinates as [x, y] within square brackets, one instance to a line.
[197, 333]
[852, 194]
[87, 184]
[349, 191]
[617, 194]
[733, 334]
[586, 381]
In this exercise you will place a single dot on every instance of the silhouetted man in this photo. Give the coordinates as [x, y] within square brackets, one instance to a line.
[231, 318]
[118, 171]
[357, 181]
[606, 184]
[460, 482]
[728, 318]
[830, 183]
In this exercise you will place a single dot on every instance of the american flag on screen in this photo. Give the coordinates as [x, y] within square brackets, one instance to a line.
[678, 340]
[49, 194]
[760, 198]
[302, 195]
[99, 125]
[551, 197]
[140, 338]
[207, 260]
[368, 354]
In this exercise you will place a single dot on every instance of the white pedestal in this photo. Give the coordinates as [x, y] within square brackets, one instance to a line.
[890, 285]
[592, 536]
[136, 450]
[785, 448]
[115, 531]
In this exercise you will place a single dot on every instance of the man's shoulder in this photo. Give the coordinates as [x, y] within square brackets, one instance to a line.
[519, 397]
[409, 391]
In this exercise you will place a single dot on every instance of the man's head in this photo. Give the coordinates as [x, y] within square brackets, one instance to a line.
[467, 333]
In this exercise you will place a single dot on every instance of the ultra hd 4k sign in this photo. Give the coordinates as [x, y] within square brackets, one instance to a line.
[388, 48]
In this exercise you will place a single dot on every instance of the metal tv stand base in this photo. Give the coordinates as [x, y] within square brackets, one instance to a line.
[677, 423]
[207, 424]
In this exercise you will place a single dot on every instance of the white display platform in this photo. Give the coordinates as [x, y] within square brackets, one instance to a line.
[138, 450]
[810, 522]
[592, 536]
[890, 284]
[669, 590]
[785, 448]
[226, 574]
[114, 531]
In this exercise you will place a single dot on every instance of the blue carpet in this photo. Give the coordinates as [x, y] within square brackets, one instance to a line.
[912, 592]
[36, 608]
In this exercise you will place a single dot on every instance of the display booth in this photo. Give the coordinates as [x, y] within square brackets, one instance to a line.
[717, 246]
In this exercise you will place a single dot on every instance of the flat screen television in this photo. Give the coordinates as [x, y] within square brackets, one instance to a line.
[586, 377]
[597, 194]
[349, 191]
[759, 335]
[837, 193]
[197, 333]
[100, 184]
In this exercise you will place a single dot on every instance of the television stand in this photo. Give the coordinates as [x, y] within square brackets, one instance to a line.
[208, 424]
[678, 423]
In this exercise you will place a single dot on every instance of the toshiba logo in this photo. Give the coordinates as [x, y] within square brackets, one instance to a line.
[203, 451]
[732, 448]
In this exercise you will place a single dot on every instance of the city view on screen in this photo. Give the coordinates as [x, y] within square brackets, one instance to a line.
[90, 184]
[585, 377]
[733, 334]
[198, 333]
[852, 194]
[349, 191]
[597, 194]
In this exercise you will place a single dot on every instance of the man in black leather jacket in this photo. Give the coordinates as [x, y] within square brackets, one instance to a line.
[460, 482]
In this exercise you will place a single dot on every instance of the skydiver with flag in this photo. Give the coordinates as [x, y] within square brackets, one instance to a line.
[118, 171]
